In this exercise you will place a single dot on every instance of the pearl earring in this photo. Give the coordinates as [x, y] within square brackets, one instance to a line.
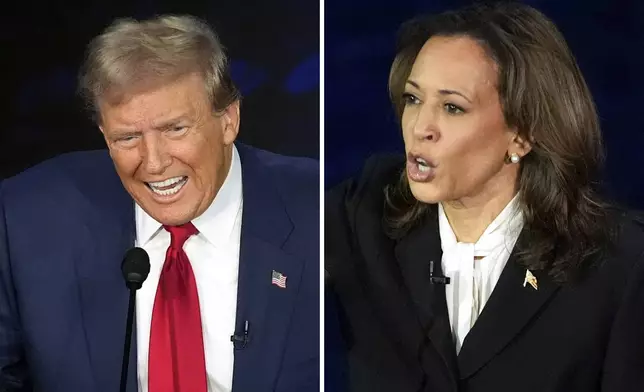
[514, 157]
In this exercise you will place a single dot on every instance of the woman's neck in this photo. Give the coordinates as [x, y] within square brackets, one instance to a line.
[469, 217]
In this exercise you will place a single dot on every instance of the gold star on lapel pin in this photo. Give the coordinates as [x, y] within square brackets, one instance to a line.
[529, 278]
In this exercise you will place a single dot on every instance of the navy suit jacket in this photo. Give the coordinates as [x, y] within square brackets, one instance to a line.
[64, 227]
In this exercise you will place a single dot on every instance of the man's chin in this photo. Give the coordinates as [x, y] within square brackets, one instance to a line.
[172, 218]
[171, 214]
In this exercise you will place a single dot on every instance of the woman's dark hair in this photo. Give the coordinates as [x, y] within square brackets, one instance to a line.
[542, 94]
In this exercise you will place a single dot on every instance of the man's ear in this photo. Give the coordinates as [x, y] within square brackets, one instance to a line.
[230, 122]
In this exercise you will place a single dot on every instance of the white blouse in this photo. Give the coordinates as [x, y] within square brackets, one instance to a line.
[472, 281]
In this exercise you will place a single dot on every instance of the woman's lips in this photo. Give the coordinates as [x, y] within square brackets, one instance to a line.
[420, 169]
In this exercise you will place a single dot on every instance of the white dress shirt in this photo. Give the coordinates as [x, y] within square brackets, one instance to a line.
[472, 281]
[214, 257]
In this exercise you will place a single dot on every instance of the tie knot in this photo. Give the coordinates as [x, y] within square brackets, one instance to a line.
[179, 234]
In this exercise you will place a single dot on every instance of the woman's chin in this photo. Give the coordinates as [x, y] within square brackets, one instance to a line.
[426, 193]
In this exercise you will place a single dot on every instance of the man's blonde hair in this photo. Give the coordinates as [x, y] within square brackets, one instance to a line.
[131, 56]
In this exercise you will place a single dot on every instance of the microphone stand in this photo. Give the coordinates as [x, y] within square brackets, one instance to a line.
[128, 340]
[135, 268]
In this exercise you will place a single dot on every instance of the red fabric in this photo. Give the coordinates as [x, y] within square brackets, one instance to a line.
[177, 360]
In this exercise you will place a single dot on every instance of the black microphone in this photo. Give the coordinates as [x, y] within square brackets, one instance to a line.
[240, 341]
[436, 279]
[135, 268]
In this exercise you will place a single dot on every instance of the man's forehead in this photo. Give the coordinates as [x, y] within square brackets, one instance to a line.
[161, 105]
[188, 85]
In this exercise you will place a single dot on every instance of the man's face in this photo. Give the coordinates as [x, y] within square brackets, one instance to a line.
[171, 151]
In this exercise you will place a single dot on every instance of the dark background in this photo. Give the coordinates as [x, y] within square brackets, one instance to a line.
[274, 47]
[606, 36]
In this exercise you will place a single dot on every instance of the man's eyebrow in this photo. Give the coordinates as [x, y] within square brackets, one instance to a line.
[169, 122]
[124, 133]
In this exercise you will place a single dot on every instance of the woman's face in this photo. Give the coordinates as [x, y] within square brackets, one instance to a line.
[455, 134]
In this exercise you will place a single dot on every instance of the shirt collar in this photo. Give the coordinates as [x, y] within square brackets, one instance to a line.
[508, 223]
[217, 222]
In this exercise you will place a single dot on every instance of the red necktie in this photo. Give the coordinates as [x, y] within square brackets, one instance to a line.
[177, 361]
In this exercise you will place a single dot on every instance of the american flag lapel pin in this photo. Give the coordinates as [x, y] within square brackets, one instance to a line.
[278, 279]
[530, 279]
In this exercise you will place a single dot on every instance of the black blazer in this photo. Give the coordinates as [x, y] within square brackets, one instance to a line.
[582, 337]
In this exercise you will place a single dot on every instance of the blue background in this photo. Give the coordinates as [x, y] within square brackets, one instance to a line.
[607, 38]
[274, 47]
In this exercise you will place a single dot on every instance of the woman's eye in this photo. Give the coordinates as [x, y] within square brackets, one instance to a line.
[410, 99]
[453, 109]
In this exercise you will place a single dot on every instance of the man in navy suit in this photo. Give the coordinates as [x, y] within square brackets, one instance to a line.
[231, 231]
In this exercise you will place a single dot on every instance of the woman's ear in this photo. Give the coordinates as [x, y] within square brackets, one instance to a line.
[520, 145]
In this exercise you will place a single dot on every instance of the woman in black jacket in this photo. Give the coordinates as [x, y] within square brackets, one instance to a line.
[484, 259]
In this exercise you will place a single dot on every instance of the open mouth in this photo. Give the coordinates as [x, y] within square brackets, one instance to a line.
[420, 169]
[423, 166]
[167, 187]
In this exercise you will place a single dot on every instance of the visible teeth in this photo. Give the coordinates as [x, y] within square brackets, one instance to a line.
[178, 184]
[422, 168]
[422, 162]
[168, 182]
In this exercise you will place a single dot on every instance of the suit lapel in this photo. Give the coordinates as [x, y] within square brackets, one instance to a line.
[508, 310]
[511, 306]
[109, 232]
[266, 229]
[414, 253]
